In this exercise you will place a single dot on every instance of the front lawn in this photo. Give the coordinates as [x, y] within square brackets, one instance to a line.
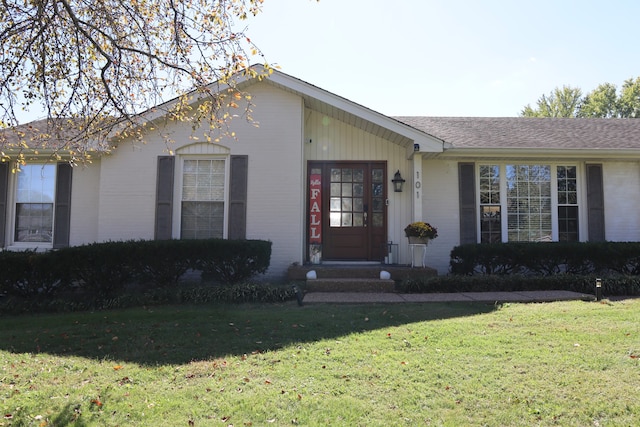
[568, 363]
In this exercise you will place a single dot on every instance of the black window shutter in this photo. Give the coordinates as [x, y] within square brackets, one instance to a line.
[164, 197]
[4, 184]
[62, 221]
[238, 197]
[595, 203]
[467, 196]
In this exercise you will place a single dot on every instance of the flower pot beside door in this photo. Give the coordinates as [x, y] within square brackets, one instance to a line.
[420, 230]
[415, 240]
[419, 234]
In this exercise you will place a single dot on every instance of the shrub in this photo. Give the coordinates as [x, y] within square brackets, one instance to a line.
[97, 275]
[613, 285]
[30, 274]
[233, 262]
[101, 269]
[161, 263]
[546, 258]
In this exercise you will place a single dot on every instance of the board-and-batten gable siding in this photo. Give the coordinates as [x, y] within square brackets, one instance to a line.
[332, 139]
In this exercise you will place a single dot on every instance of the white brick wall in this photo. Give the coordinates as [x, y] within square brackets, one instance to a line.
[274, 207]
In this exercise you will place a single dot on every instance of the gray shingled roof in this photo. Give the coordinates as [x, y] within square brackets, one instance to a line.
[531, 133]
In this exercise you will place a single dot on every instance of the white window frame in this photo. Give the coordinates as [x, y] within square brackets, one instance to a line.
[12, 200]
[581, 195]
[177, 210]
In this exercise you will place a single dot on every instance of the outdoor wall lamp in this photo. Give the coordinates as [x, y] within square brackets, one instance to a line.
[398, 182]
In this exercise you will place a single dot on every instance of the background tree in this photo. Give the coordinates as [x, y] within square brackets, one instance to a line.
[92, 64]
[559, 103]
[629, 100]
[603, 102]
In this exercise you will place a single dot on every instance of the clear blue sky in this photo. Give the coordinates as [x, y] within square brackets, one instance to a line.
[450, 57]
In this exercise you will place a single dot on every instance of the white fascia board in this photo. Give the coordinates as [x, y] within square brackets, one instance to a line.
[428, 143]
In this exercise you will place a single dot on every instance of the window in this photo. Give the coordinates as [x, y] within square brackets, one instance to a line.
[567, 204]
[34, 203]
[490, 209]
[538, 202]
[203, 195]
[528, 203]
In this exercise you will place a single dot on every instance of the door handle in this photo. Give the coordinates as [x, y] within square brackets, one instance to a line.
[366, 213]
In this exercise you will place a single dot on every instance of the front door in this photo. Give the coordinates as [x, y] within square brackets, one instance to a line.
[354, 211]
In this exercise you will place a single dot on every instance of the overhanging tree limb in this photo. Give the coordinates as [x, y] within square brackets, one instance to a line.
[97, 63]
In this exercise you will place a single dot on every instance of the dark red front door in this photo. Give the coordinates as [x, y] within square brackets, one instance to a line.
[354, 209]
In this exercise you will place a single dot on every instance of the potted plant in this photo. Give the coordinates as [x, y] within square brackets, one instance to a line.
[420, 232]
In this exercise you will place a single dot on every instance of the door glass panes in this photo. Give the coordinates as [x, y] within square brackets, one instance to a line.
[35, 194]
[377, 197]
[346, 202]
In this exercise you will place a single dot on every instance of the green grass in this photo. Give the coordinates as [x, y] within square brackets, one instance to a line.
[568, 364]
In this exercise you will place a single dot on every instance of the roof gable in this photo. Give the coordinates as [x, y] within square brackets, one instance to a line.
[357, 115]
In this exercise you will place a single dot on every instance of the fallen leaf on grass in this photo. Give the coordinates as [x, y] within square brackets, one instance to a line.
[117, 367]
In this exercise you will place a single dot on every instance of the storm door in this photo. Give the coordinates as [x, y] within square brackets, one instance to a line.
[354, 214]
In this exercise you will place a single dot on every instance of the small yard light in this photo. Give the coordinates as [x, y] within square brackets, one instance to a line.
[299, 294]
[598, 289]
[398, 182]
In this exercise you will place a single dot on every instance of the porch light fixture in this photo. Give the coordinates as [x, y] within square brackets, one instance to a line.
[398, 182]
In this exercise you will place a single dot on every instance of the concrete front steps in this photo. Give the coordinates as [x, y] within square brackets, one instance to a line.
[355, 277]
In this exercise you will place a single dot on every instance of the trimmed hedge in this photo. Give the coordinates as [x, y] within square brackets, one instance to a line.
[205, 294]
[101, 271]
[546, 258]
[617, 285]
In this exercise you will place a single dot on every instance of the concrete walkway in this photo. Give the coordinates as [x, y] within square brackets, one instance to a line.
[485, 297]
